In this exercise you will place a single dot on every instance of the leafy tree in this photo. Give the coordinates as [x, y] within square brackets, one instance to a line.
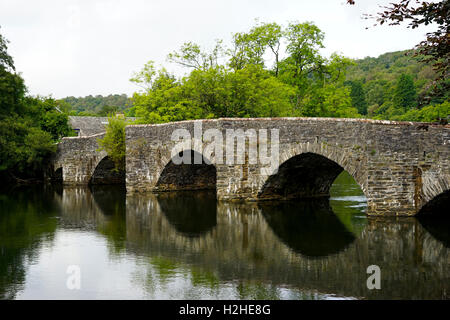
[216, 92]
[435, 48]
[431, 113]
[358, 97]
[302, 83]
[303, 43]
[249, 48]
[405, 93]
[114, 141]
[6, 61]
[29, 126]
[191, 55]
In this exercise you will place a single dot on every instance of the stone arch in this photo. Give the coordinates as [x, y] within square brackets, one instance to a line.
[57, 174]
[173, 177]
[102, 172]
[432, 191]
[438, 206]
[318, 165]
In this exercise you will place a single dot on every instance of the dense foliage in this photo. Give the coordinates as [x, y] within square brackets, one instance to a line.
[252, 79]
[97, 105]
[255, 78]
[114, 141]
[397, 86]
[29, 126]
[435, 49]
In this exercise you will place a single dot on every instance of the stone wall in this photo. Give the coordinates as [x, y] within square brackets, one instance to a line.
[78, 157]
[400, 166]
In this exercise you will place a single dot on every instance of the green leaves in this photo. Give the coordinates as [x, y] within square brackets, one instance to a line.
[405, 96]
[29, 127]
[213, 93]
[299, 82]
[190, 55]
[114, 141]
[6, 61]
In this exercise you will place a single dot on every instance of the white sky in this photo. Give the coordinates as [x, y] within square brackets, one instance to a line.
[77, 48]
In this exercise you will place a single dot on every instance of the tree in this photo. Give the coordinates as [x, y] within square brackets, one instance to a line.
[405, 96]
[114, 141]
[250, 47]
[29, 126]
[304, 41]
[304, 67]
[6, 61]
[436, 47]
[191, 55]
[302, 83]
[358, 97]
[270, 35]
[144, 78]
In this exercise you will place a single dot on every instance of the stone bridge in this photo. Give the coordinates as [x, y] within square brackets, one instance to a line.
[402, 167]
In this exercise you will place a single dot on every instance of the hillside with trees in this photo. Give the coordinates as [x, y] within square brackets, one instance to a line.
[254, 77]
[393, 86]
[97, 105]
[396, 86]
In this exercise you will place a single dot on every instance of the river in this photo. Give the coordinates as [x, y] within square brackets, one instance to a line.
[188, 245]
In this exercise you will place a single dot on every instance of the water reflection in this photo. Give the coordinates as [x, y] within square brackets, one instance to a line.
[188, 214]
[188, 245]
[438, 227]
[26, 220]
[309, 228]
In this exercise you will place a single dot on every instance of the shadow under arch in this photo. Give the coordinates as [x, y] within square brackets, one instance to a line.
[191, 214]
[176, 177]
[308, 227]
[438, 206]
[306, 175]
[104, 173]
[434, 217]
[57, 175]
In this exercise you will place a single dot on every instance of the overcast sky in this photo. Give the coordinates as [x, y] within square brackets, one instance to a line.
[77, 48]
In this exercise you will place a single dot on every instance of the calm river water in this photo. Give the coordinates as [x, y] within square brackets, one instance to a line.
[190, 246]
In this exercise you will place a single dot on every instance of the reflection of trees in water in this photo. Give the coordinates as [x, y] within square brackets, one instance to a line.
[190, 214]
[27, 218]
[236, 242]
[97, 208]
[111, 200]
[309, 228]
[244, 247]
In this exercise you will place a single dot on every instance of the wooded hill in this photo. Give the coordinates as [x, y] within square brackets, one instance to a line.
[393, 86]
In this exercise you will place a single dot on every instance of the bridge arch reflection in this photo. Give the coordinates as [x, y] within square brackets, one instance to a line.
[309, 228]
[190, 214]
